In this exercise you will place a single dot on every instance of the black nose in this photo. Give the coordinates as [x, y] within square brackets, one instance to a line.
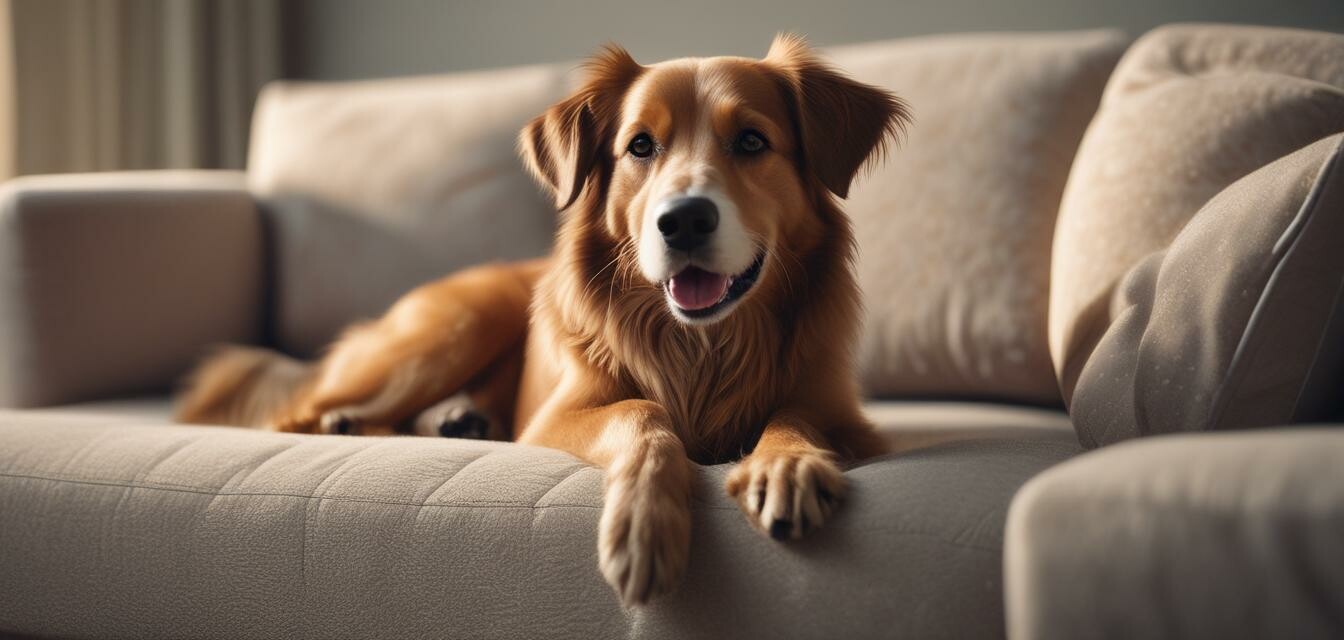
[687, 223]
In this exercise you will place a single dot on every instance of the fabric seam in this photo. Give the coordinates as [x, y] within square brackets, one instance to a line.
[1301, 221]
[733, 509]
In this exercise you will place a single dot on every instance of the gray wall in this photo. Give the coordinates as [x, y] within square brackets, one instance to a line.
[343, 39]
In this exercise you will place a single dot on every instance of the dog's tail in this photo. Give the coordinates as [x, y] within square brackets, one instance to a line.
[242, 386]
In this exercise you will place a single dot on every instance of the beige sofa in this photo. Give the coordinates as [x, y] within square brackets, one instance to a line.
[1140, 232]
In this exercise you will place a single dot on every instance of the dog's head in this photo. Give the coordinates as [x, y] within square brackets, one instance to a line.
[710, 170]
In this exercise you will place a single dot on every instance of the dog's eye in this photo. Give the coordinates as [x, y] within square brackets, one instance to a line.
[641, 146]
[750, 143]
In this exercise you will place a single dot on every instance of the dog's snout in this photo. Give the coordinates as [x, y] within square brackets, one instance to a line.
[688, 223]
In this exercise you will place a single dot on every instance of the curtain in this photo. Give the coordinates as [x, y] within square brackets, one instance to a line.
[95, 85]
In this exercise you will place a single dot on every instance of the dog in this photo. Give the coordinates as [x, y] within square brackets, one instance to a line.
[699, 304]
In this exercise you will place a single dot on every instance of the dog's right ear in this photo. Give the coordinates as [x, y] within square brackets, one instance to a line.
[843, 123]
[562, 146]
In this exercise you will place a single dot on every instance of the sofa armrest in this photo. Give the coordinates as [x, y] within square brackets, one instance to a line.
[1216, 535]
[112, 283]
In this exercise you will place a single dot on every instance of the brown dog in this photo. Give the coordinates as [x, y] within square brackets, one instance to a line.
[700, 303]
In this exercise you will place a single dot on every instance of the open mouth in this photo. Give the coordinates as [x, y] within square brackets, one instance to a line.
[697, 293]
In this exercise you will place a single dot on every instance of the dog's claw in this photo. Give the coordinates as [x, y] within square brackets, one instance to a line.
[786, 494]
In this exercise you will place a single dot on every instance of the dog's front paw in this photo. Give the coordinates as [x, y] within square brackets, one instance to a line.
[787, 494]
[645, 533]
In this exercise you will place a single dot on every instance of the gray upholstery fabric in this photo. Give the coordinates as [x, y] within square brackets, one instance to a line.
[112, 283]
[915, 424]
[371, 188]
[906, 425]
[143, 410]
[1227, 535]
[1190, 110]
[954, 225]
[125, 530]
[1225, 329]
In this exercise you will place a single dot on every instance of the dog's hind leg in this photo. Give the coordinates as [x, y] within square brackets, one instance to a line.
[404, 388]
[483, 410]
[429, 345]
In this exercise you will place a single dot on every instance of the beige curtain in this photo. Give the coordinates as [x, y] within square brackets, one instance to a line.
[94, 85]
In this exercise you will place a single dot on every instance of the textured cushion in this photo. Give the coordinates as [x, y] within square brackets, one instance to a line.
[1190, 110]
[120, 530]
[110, 283]
[909, 425]
[142, 410]
[1229, 535]
[955, 226]
[1234, 325]
[906, 425]
[374, 187]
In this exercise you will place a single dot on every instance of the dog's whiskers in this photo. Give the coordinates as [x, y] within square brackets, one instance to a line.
[599, 272]
[788, 281]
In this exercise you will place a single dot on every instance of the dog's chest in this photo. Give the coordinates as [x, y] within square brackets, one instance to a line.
[719, 394]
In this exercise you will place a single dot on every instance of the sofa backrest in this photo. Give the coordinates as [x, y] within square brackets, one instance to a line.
[954, 228]
[370, 188]
[373, 187]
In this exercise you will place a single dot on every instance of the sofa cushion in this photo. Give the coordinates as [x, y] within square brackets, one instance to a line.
[1190, 110]
[1237, 323]
[907, 425]
[374, 187]
[954, 227]
[1199, 536]
[171, 531]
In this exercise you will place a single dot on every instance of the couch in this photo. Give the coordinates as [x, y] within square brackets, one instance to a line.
[1101, 281]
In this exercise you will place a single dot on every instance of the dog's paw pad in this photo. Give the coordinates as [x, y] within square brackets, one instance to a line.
[787, 495]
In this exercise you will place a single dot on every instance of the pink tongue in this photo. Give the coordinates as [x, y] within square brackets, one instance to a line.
[695, 289]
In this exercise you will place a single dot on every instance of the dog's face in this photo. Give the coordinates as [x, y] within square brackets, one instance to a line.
[704, 182]
[707, 172]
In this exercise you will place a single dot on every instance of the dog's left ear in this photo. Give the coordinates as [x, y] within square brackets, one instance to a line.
[842, 123]
[562, 146]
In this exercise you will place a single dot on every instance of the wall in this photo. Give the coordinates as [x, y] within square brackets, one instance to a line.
[344, 39]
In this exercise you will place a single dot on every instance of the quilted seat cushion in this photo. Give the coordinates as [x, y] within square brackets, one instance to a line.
[149, 530]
